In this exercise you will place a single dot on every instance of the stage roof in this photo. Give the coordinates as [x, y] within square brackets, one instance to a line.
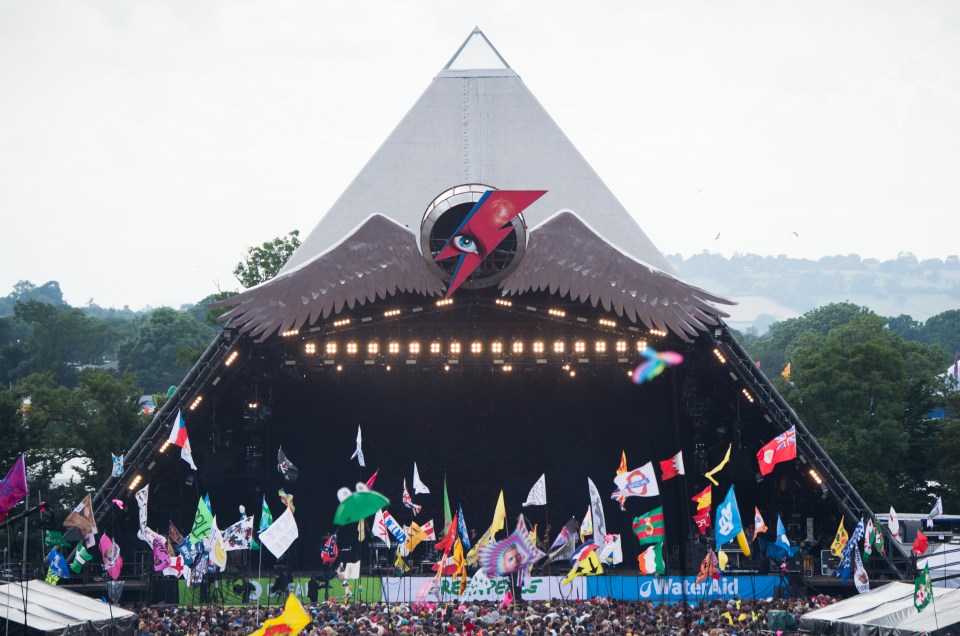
[54, 610]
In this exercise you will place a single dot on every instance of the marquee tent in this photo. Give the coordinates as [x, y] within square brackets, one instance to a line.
[36, 606]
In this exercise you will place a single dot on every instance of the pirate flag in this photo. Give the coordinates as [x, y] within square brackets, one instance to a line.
[286, 467]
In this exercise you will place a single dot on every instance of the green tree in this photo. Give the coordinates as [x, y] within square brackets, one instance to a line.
[944, 330]
[152, 355]
[262, 263]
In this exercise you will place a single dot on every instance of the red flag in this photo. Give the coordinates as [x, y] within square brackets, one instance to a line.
[446, 543]
[703, 498]
[13, 488]
[919, 544]
[702, 519]
[672, 467]
[780, 449]
[373, 478]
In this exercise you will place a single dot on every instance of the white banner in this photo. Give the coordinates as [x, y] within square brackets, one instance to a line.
[409, 589]
[143, 496]
[280, 535]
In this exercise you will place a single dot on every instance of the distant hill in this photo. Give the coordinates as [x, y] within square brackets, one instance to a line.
[773, 288]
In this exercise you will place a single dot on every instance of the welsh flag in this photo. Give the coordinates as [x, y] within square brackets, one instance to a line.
[651, 560]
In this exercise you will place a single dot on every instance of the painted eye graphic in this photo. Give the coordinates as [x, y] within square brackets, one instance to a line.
[465, 244]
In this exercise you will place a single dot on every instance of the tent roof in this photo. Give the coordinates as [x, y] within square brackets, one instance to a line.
[55, 610]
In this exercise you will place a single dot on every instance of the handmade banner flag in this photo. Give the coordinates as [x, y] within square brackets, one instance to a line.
[58, 565]
[589, 566]
[54, 539]
[394, 528]
[758, 523]
[373, 478]
[566, 532]
[290, 623]
[893, 524]
[702, 520]
[202, 522]
[922, 589]
[650, 560]
[538, 494]
[177, 568]
[13, 488]
[580, 552]
[727, 524]
[216, 548]
[80, 558]
[510, 555]
[174, 534]
[142, 497]
[672, 467]
[158, 545]
[281, 534]
[82, 519]
[704, 498]
[358, 453]
[287, 500]
[419, 488]
[781, 448]
[622, 468]
[461, 528]
[709, 567]
[840, 540]
[612, 551]
[499, 516]
[846, 557]
[415, 535]
[429, 530]
[586, 526]
[639, 482]
[400, 565]
[110, 553]
[649, 526]
[937, 511]
[726, 458]
[461, 565]
[380, 528]
[178, 437]
[286, 467]
[239, 535]
[117, 465]
[920, 544]
[596, 505]
[408, 500]
[860, 578]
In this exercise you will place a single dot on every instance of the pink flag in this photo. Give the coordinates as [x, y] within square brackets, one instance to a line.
[13, 488]
[507, 599]
[110, 552]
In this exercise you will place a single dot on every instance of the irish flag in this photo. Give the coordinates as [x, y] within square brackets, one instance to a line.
[649, 526]
[651, 560]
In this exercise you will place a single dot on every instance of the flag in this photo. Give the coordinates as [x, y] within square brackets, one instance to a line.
[860, 578]
[178, 437]
[781, 448]
[869, 533]
[447, 514]
[509, 555]
[54, 539]
[564, 551]
[429, 530]
[287, 500]
[920, 544]
[650, 560]
[351, 571]
[290, 623]
[82, 519]
[704, 498]
[358, 453]
[400, 564]
[580, 553]
[372, 479]
[461, 565]
[893, 524]
[846, 557]
[462, 528]
[566, 532]
[13, 488]
[176, 568]
[727, 524]
[639, 482]
[758, 524]
[239, 535]
[142, 496]
[380, 528]
[449, 534]
[408, 500]
[781, 547]
[281, 534]
[708, 567]
[622, 468]
[726, 458]
[649, 526]
[80, 558]
[58, 565]
[785, 374]
[922, 589]
[286, 467]
[612, 551]
[839, 541]
[329, 551]
[499, 515]
[110, 553]
[590, 566]
[415, 534]
[935, 512]
[202, 522]
[394, 528]
[596, 504]
[266, 517]
[586, 526]
[538, 494]
[158, 545]
[117, 465]
[702, 519]
[672, 467]
[419, 488]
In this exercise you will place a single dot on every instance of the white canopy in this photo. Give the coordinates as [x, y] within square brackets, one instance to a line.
[55, 610]
[943, 561]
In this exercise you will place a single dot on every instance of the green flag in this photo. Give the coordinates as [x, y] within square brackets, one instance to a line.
[447, 517]
[53, 539]
[202, 522]
[922, 589]
[266, 518]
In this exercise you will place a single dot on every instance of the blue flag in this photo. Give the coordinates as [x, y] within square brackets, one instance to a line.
[117, 465]
[58, 564]
[462, 528]
[781, 548]
[728, 524]
[843, 570]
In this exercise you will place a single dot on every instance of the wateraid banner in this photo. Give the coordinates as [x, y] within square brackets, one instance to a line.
[673, 589]
[410, 589]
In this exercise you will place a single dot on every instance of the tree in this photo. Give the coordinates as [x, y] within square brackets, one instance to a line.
[262, 263]
[152, 354]
[944, 330]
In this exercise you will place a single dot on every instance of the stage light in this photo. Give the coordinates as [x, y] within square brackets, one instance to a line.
[720, 356]
[538, 346]
[476, 347]
[747, 395]
[658, 332]
[230, 358]
[816, 477]
[621, 346]
[559, 313]
[601, 346]
[629, 373]
[579, 346]
[558, 346]
[435, 347]
[503, 302]
[339, 367]
[291, 332]
[446, 367]
[517, 346]
[388, 367]
[566, 367]
[393, 347]
[165, 446]
[352, 348]
[573, 374]
[310, 348]
[252, 405]
[507, 368]
[196, 402]
[373, 348]
[445, 302]
[641, 345]
[454, 348]
[414, 348]
[607, 323]
[331, 348]
[136, 482]
[496, 347]
[341, 322]
[390, 313]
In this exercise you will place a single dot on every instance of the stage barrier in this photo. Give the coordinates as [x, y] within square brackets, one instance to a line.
[673, 589]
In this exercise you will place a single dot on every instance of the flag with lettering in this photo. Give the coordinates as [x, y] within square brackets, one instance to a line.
[380, 528]
[638, 482]
[202, 522]
[281, 534]
[702, 520]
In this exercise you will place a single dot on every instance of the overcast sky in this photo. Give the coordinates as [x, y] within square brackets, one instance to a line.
[145, 145]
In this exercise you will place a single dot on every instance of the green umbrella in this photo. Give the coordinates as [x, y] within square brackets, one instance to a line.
[355, 506]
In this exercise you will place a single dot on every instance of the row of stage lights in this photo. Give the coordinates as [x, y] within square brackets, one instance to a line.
[455, 348]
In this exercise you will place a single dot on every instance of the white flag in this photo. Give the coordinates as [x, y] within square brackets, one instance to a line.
[538, 494]
[639, 482]
[418, 487]
[380, 528]
[596, 505]
[281, 534]
[359, 452]
[352, 570]
[429, 529]
[142, 496]
[893, 524]
[612, 551]
[860, 578]
[936, 512]
[218, 550]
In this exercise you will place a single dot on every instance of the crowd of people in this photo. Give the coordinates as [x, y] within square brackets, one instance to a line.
[599, 616]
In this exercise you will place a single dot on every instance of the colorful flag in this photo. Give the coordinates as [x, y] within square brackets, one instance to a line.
[589, 566]
[499, 515]
[708, 567]
[117, 465]
[846, 557]
[430, 530]
[920, 544]
[639, 482]
[893, 524]
[372, 479]
[80, 558]
[869, 532]
[758, 523]
[702, 519]
[380, 528]
[394, 528]
[839, 541]
[612, 551]
[281, 534]
[727, 524]
[110, 553]
[287, 500]
[447, 513]
[202, 522]
[922, 589]
[178, 437]
[82, 519]
[704, 498]
[58, 565]
[937, 511]
[239, 535]
[449, 534]
[461, 564]
[511, 554]
[596, 505]
[54, 539]
[622, 468]
[358, 453]
[286, 467]
[462, 528]
[158, 545]
[650, 560]
[408, 500]
[586, 526]
[266, 517]
[415, 535]
[176, 568]
[785, 374]
[419, 488]
[290, 623]
[860, 578]
[13, 488]
[538, 494]
[726, 458]
[649, 526]
[672, 467]
[580, 552]
[781, 448]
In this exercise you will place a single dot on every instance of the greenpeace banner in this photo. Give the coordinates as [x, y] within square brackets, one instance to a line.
[410, 589]
[673, 589]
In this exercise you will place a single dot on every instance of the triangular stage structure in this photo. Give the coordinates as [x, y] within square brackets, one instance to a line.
[477, 300]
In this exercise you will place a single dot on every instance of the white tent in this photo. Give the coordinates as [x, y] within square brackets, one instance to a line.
[944, 561]
[887, 611]
[50, 609]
